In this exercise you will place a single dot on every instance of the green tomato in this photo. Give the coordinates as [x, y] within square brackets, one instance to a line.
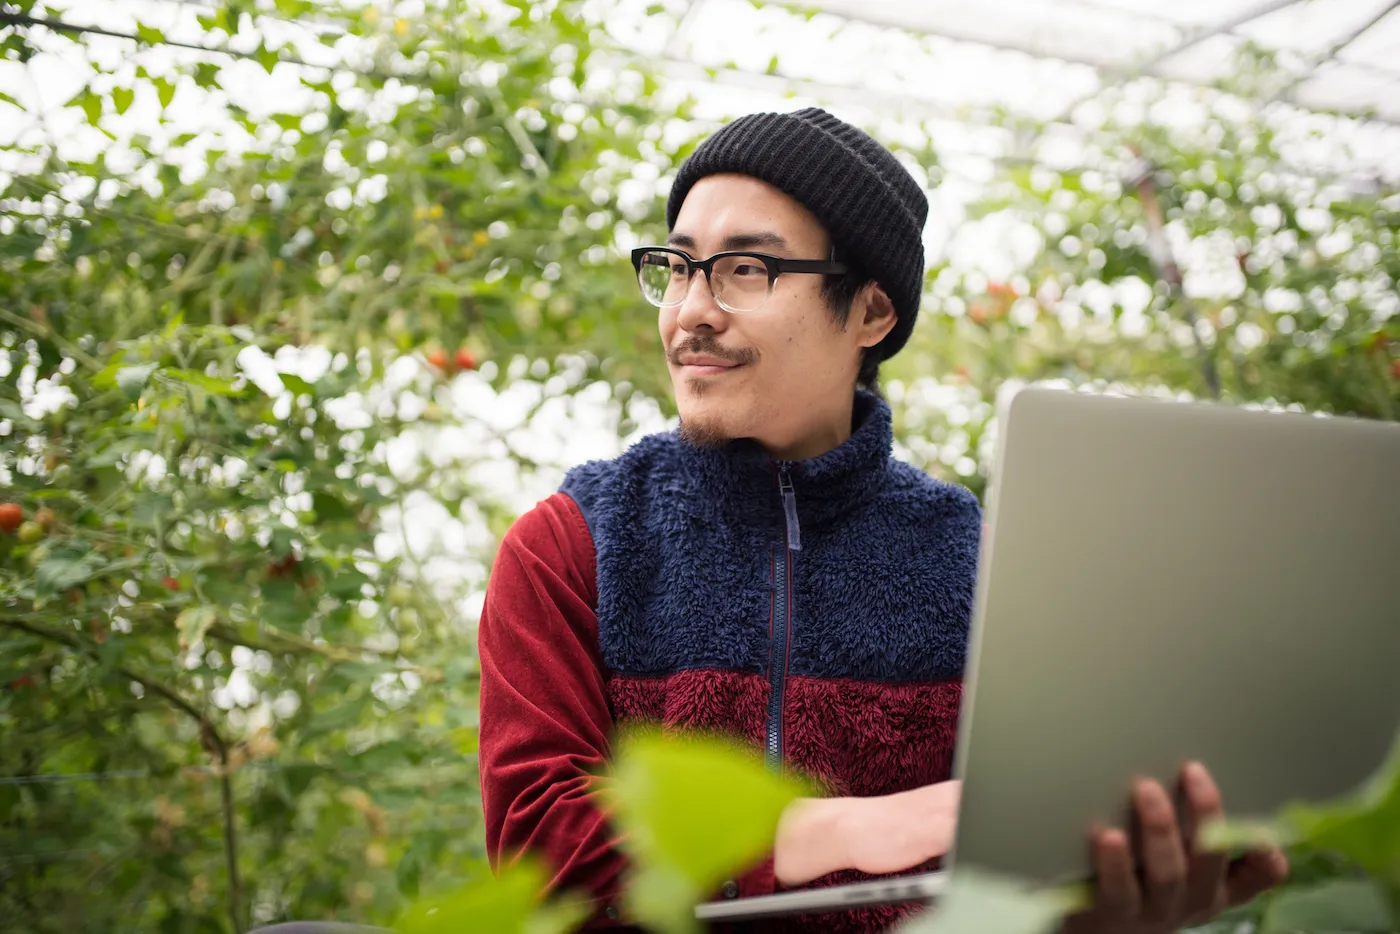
[30, 532]
[37, 554]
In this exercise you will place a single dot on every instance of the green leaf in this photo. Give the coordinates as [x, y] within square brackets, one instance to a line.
[336, 718]
[407, 874]
[216, 20]
[206, 75]
[560, 916]
[115, 451]
[297, 778]
[10, 409]
[132, 380]
[980, 903]
[1246, 834]
[193, 622]
[90, 103]
[172, 327]
[150, 507]
[9, 100]
[9, 798]
[692, 810]
[330, 508]
[122, 98]
[149, 35]
[220, 387]
[1340, 905]
[265, 57]
[1363, 826]
[466, 740]
[65, 569]
[506, 903]
[287, 121]
[296, 385]
[61, 571]
[165, 91]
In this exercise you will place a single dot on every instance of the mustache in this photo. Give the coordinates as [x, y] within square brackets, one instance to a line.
[709, 345]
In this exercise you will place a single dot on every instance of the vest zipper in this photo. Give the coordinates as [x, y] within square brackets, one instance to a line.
[780, 624]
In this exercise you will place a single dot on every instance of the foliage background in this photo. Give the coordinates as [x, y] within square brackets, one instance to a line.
[237, 681]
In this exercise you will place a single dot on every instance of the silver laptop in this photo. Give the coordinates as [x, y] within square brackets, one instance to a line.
[1164, 581]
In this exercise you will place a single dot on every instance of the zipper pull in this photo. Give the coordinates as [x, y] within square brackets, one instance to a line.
[794, 532]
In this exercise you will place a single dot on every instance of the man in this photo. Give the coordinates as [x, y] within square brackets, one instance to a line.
[770, 570]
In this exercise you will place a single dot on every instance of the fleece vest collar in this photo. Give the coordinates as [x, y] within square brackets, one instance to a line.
[820, 489]
[697, 569]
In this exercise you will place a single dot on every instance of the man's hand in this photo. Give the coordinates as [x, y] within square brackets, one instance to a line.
[875, 835]
[1179, 885]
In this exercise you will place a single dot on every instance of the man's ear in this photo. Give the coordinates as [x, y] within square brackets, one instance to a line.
[873, 314]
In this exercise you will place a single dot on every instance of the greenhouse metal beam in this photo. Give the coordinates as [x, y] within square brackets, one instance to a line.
[877, 15]
[1149, 65]
[1337, 49]
[1228, 26]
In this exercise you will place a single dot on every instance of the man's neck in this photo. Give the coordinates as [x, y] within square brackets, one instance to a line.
[832, 431]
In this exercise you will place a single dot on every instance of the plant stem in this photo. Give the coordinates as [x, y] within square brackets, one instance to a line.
[1170, 272]
[235, 884]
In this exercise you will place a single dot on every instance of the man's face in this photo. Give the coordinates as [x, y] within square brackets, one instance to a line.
[778, 374]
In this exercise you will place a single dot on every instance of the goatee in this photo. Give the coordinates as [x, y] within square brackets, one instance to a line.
[704, 433]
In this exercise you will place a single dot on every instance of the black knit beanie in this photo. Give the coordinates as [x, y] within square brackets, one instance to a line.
[869, 203]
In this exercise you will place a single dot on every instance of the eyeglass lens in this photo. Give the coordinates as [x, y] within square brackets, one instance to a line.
[741, 283]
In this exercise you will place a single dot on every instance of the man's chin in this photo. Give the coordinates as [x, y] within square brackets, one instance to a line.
[707, 424]
[705, 433]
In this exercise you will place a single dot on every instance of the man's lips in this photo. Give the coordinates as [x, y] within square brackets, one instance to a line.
[705, 364]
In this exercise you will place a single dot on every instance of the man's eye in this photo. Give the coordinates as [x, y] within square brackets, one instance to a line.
[678, 270]
[748, 269]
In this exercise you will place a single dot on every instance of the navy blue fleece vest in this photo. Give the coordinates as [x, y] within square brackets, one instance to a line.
[699, 566]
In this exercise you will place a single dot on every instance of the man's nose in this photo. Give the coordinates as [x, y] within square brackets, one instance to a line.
[699, 308]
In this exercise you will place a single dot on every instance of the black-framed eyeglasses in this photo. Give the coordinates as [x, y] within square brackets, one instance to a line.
[740, 281]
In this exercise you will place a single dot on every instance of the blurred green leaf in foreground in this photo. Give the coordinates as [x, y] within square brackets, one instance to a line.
[1362, 828]
[693, 811]
[509, 903]
[978, 902]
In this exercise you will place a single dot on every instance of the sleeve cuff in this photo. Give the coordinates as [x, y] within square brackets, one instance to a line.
[757, 881]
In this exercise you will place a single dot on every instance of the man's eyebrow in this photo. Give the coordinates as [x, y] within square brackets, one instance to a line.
[745, 241]
[748, 241]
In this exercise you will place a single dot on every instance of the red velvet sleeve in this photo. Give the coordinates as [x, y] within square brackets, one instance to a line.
[545, 719]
